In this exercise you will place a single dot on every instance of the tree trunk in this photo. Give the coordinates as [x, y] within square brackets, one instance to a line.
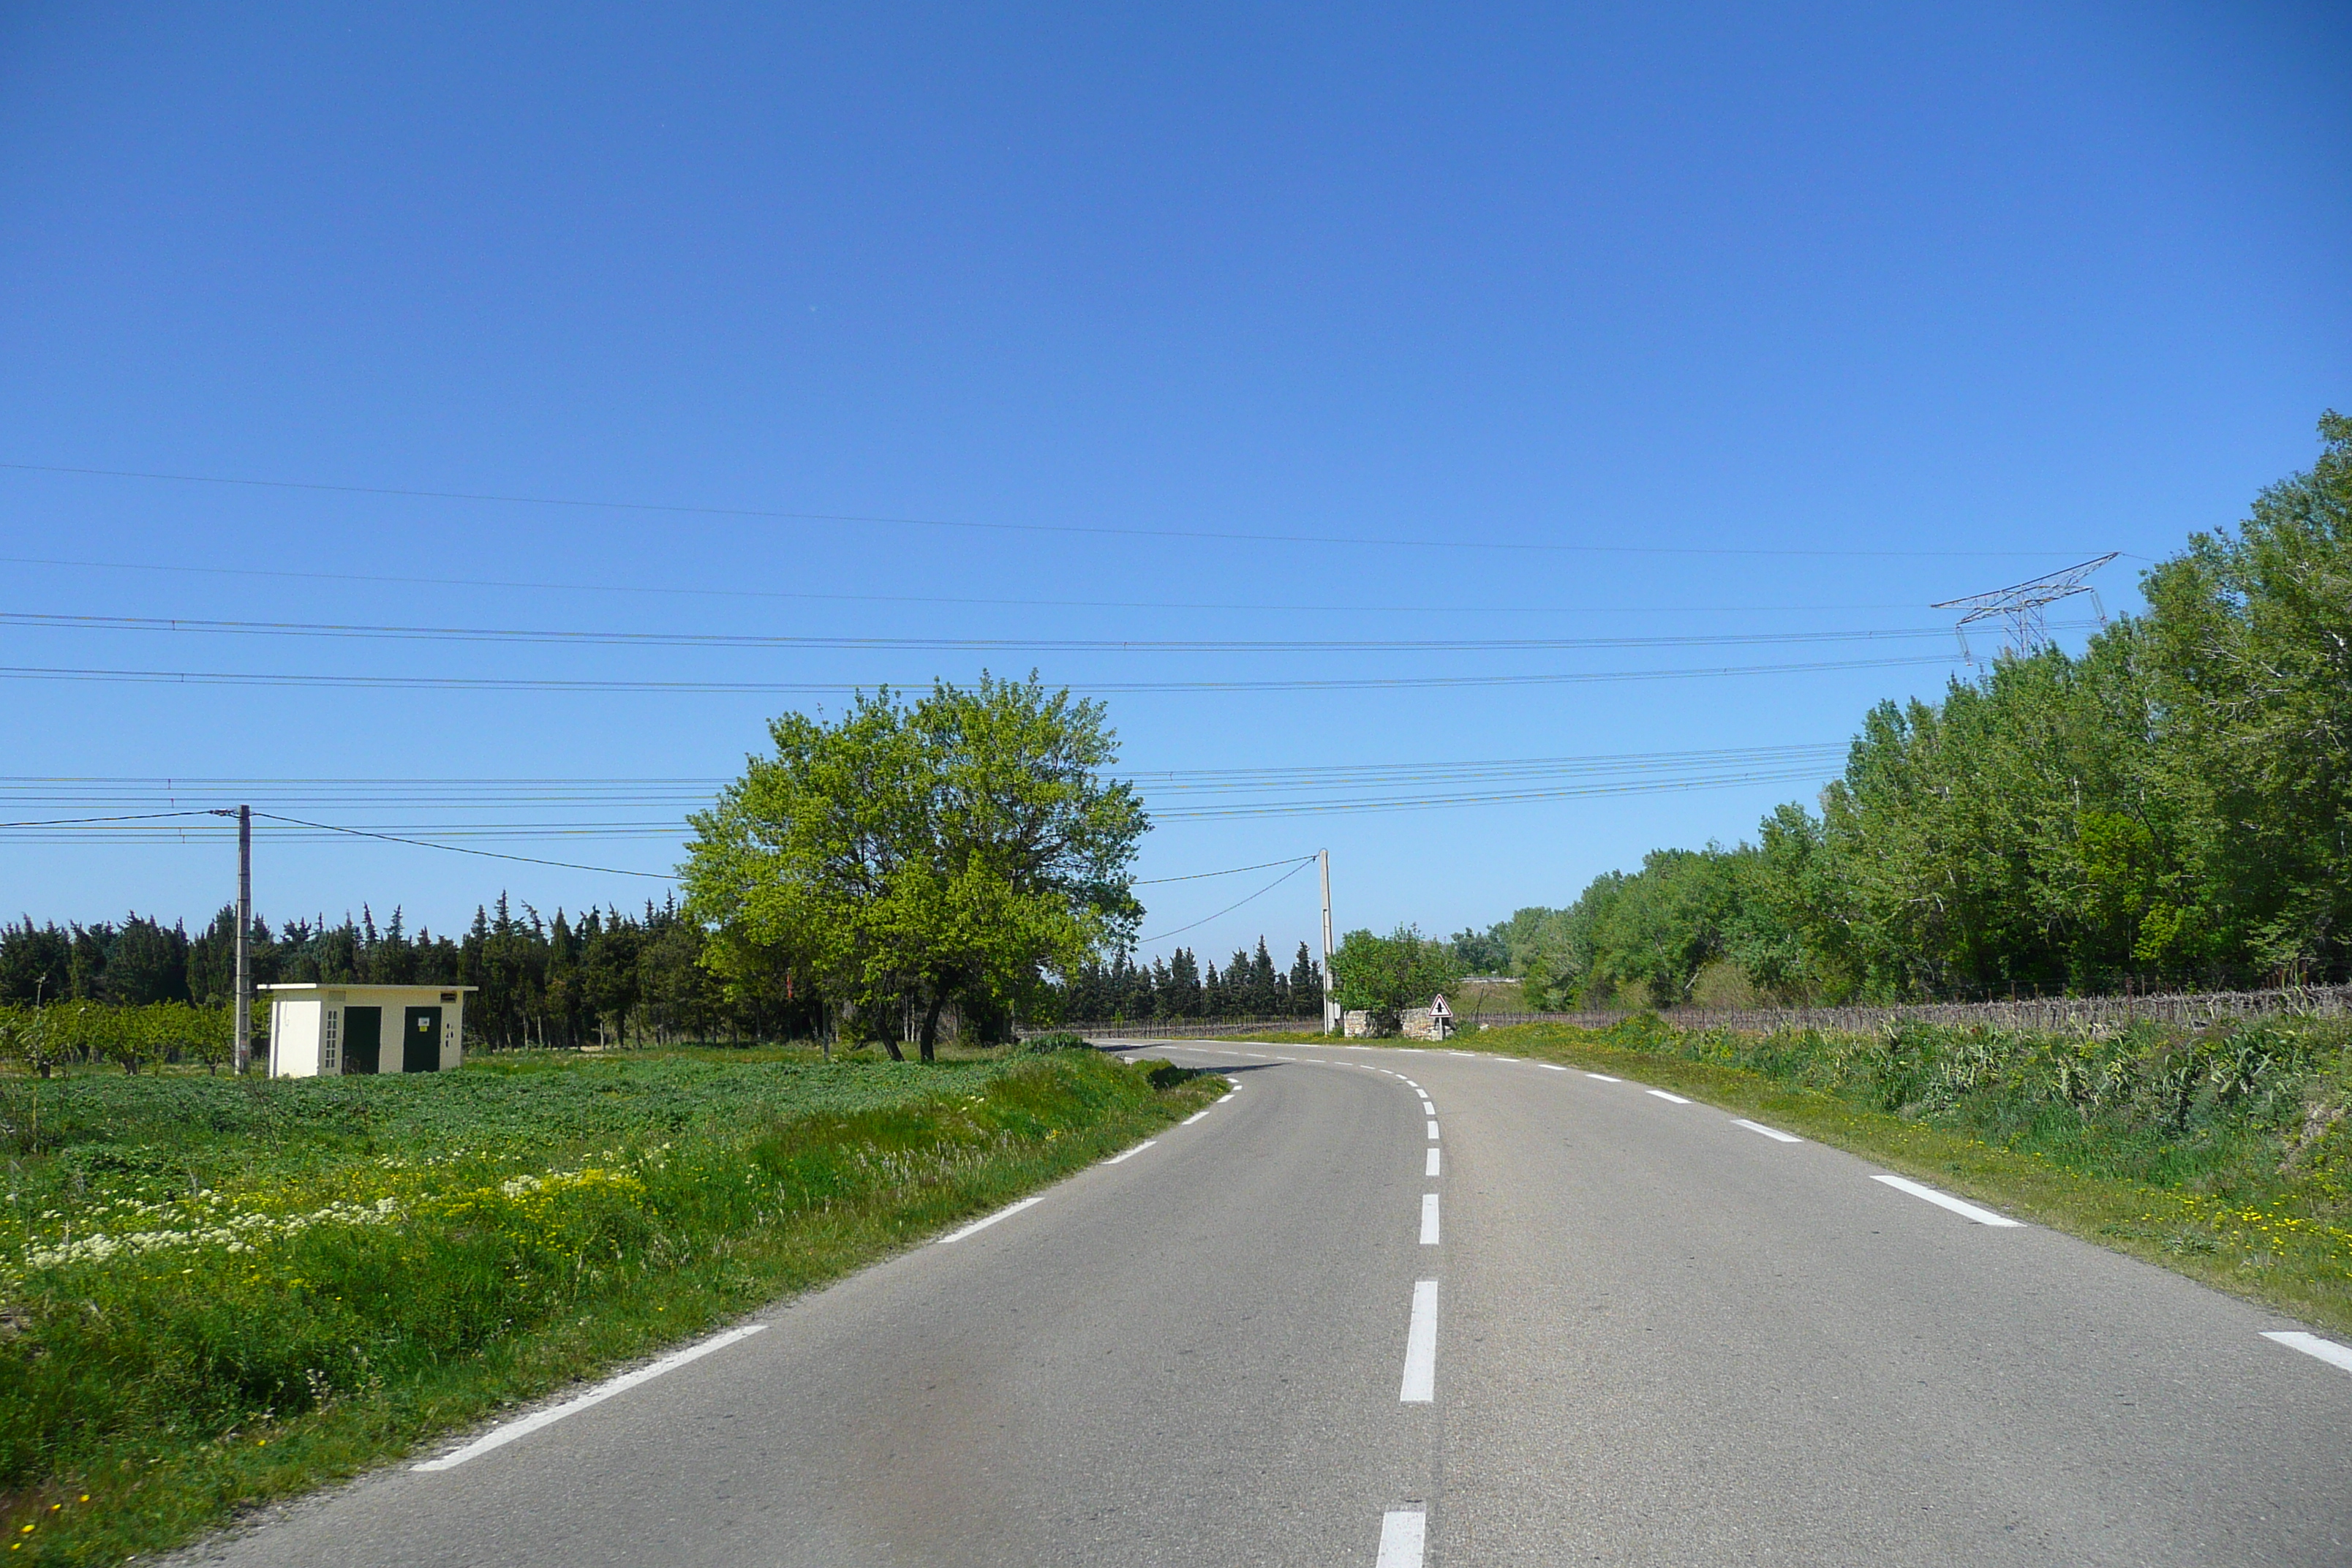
[931, 1023]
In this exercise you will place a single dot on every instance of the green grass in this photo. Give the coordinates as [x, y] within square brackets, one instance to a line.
[337, 1269]
[2223, 1155]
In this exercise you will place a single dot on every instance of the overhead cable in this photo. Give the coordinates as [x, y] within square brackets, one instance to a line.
[461, 849]
[1094, 529]
[803, 595]
[1229, 909]
[1201, 876]
[740, 641]
[309, 681]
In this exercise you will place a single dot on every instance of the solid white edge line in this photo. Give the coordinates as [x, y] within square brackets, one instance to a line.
[1772, 1133]
[1421, 1347]
[2327, 1350]
[500, 1436]
[1662, 1094]
[1404, 1535]
[1138, 1149]
[1433, 1131]
[1604, 1077]
[1005, 1212]
[1431, 1169]
[1946, 1201]
[1429, 1218]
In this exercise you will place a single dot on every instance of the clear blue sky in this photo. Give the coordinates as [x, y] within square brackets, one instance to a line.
[1927, 298]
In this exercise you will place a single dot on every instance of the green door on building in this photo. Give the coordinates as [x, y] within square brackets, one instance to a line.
[363, 1038]
[420, 1042]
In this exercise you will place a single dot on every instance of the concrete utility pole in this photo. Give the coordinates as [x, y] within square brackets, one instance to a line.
[244, 939]
[1330, 1005]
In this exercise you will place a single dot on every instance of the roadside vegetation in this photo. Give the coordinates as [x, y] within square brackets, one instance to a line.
[2170, 809]
[215, 1293]
[2225, 1155]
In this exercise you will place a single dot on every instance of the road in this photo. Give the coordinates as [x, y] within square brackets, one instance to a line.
[1386, 1308]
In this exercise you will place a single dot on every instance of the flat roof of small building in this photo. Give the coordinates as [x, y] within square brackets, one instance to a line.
[356, 985]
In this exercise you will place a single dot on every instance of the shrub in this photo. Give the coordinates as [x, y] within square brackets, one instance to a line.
[1059, 1040]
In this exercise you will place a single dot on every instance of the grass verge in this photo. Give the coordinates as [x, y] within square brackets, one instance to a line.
[218, 1293]
[2225, 1155]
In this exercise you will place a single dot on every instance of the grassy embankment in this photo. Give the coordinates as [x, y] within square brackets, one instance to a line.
[2225, 1155]
[216, 1292]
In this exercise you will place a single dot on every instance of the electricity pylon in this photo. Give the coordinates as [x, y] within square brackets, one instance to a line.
[2020, 605]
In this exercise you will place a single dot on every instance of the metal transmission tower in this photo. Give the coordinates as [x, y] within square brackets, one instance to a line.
[2020, 605]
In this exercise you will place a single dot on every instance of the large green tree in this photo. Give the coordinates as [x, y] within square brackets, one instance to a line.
[963, 846]
[1383, 975]
[2251, 639]
[2171, 806]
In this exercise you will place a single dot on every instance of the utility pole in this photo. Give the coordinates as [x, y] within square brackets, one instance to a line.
[1330, 1005]
[244, 939]
[243, 1002]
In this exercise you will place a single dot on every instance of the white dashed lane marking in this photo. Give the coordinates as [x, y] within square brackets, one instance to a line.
[1677, 1098]
[1946, 1201]
[1429, 1218]
[499, 1436]
[1403, 1535]
[2327, 1350]
[1772, 1133]
[1419, 1385]
[1005, 1212]
[1431, 1169]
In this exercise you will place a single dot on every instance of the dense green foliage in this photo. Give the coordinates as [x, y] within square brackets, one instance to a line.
[1179, 986]
[1383, 975]
[188, 1265]
[42, 1039]
[2172, 807]
[959, 848]
[606, 976]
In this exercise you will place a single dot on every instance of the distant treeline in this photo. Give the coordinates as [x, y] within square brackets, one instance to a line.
[2171, 809]
[604, 976]
[1250, 986]
[607, 976]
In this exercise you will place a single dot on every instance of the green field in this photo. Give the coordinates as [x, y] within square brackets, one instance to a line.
[214, 1292]
[2225, 1155]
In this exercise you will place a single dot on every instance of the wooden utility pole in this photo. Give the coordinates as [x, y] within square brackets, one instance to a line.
[244, 939]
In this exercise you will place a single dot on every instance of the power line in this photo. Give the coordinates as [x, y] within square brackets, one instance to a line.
[735, 641]
[1229, 871]
[802, 596]
[1229, 909]
[460, 849]
[1422, 803]
[770, 514]
[671, 829]
[138, 816]
[300, 680]
[531, 790]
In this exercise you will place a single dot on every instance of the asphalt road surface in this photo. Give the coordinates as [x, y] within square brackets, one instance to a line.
[1389, 1308]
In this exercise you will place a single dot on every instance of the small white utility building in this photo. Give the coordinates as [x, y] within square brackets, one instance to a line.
[322, 1031]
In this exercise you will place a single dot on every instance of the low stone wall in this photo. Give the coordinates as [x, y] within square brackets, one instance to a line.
[2060, 1014]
